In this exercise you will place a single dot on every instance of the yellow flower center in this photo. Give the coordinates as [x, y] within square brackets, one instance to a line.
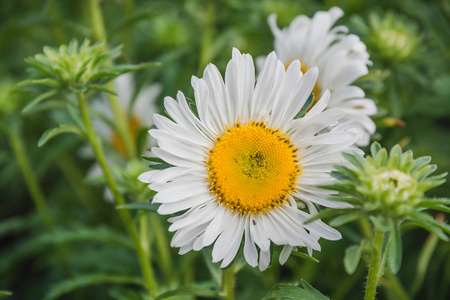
[253, 168]
[316, 90]
[116, 140]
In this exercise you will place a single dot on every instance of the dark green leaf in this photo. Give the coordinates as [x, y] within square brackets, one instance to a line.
[82, 281]
[355, 159]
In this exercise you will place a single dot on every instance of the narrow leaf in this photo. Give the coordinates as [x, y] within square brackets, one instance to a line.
[139, 206]
[341, 220]
[352, 258]
[395, 249]
[68, 286]
[31, 82]
[64, 128]
[305, 256]
[4, 294]
[38, 99]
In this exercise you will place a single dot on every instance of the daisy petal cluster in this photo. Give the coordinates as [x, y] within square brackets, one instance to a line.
[341, 58]
[244, 167]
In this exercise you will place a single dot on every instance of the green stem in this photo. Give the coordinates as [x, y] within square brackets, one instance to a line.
[127, 32]
[144, 262]
[207, 36]
[423, 262]
[97, 20]
[75, 178]
[37, 195]
[395, 285]
[120, 117]
[374, 266]
[228, 283]
[162, 245]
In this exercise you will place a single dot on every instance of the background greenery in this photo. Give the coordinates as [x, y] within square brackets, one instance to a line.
[410, 81]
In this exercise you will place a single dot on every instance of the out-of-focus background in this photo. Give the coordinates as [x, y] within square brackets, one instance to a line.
[408, 42]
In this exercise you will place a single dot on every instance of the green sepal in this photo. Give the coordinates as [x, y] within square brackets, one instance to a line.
[64, 128]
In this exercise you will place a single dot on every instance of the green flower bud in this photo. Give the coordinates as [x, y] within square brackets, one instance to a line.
[394, 38]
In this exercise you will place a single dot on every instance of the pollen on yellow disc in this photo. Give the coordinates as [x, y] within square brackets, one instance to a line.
[316, 90]
[253, 168]
[116, 140]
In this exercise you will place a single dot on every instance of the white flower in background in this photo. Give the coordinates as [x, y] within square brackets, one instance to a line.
[245, 168]
[341, 58]
[138, 113]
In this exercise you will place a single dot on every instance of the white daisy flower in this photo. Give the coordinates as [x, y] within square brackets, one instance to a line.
[341, 58]
[245, 168]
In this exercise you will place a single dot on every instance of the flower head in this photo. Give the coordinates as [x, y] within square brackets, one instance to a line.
[246, 166]
[390, 187]
[341, 58]
[394, 38]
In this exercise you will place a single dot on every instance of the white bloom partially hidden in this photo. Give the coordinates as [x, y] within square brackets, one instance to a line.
[341, 58]
[245, 169]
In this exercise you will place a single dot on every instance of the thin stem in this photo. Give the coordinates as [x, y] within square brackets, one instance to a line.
[144, 262]
[228, 282]
[374, 266]
[162, 246]
[120, 117]
[423, 262]
[97, 20]
[205, 51]
[37, 195]
[395, 285]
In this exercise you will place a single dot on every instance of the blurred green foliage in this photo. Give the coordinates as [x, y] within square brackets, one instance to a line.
[88, 251]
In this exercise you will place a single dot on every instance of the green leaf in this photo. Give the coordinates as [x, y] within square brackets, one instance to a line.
[64, 128]
[31, 82]
[153, 159]
[395, 249]
[82, 281]
[305, 107]
[133, 68]
[305, 256]
[139, 206]
[4, 294]
[189, 291]
[343, 219]
[38, 99]
[101, 88]
[423, 220]
[330, 213]
[303, 292]
[351, 258]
